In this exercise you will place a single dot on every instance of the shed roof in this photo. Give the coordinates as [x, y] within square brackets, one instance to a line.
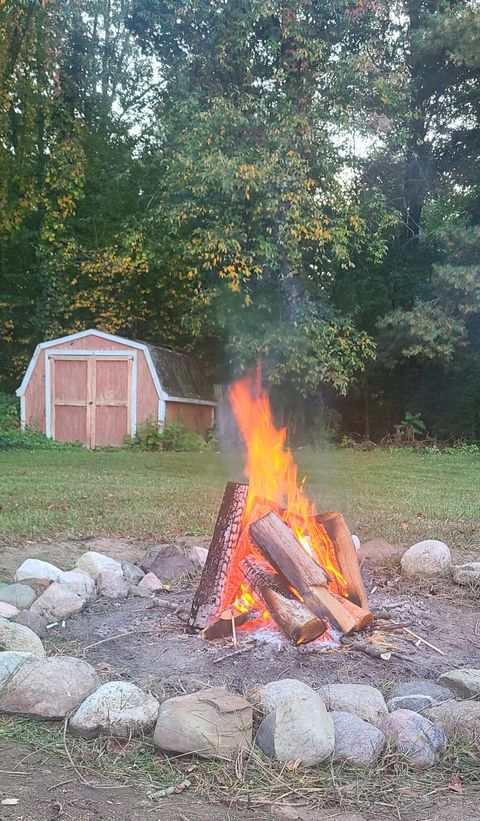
[176, 375]
[180, 374]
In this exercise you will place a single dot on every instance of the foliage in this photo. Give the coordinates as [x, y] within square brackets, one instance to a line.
[9, 412]
[154, 436]
[29, 439]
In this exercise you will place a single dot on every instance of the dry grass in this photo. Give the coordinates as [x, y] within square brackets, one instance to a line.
[252, 779]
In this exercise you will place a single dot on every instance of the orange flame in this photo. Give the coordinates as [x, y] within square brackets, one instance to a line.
[273, 479]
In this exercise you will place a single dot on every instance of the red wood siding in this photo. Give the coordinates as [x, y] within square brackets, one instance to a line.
[198, 418]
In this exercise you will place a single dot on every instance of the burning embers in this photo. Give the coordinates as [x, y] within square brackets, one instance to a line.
[272, 557]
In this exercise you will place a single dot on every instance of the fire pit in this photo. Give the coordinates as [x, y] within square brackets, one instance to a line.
[273, 560]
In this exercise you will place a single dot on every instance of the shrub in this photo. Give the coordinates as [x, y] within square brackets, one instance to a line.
[28, 439]
[152, 435]
[9, 412]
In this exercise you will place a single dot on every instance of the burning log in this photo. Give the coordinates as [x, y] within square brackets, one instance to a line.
[346, 555]
[211, 592]
[282, 549]
[291, 616]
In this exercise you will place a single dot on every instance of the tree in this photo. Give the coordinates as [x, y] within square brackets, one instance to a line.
[250, 194]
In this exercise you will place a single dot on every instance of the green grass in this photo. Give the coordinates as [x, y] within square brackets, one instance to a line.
[76, 493]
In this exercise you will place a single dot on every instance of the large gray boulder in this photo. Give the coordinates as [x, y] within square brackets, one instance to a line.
[417, 703]
[167, 561]
[275, 693]
[93, 563]
[465, 682]
[20, 595]
[428, 558]
[49, 689]
[210, 723]
[457, 718]
[58, 602]
[298, 730]
[466, 574]
[415, 737]
[362, 700]
[356, 741]
[117, 708]
[19, 638]
[37, 569]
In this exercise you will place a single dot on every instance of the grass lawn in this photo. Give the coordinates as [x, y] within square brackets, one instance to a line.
[76, 493]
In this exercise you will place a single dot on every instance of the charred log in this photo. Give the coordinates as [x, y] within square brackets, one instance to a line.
[287, 611]
[211, 592]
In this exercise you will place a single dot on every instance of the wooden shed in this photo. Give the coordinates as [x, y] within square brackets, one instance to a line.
[96, 388]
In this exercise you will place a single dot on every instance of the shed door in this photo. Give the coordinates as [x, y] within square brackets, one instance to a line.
[91, 399]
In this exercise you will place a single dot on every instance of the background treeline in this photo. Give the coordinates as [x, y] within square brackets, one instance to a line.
[297, 179]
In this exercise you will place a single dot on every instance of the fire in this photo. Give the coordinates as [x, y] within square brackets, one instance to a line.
[273, 478]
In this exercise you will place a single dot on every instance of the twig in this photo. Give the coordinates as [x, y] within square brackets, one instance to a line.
[110, 638]
[423, 641]
[235, 653]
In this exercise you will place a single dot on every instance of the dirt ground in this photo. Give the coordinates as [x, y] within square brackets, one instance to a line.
[45, 789]
[138, 641]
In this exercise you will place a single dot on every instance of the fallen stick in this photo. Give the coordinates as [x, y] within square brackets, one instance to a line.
[110, 638]
[235, 653]
[423, 641]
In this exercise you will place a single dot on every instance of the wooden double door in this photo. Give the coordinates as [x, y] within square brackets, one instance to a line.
[91, 398]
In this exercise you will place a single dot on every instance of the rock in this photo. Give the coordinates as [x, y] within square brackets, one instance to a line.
[465, 683]
[360, 699]
[466, 574]
[117, 708]
[34, 621]
[460, 718]
[209, 723]
[299, 730]
[273, 695]
[151, 582]
[20, 595]
[58, 602]
[111, 585]
[199, 555]
[427, 558]
[20, 639]
[8, 611]
[93, 563]
[132, 573]
[420, 687]
[36, 569]
[79, 582]
[10, 661]
[415, 737]
[49, 689]
[416, 703]
[356, 741]
[379, 552]
[167, 561]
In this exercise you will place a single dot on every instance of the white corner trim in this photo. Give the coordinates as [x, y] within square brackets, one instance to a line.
[23, 413]
[186, 400]
[133, 397]
[48, 398]
[162, 409]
